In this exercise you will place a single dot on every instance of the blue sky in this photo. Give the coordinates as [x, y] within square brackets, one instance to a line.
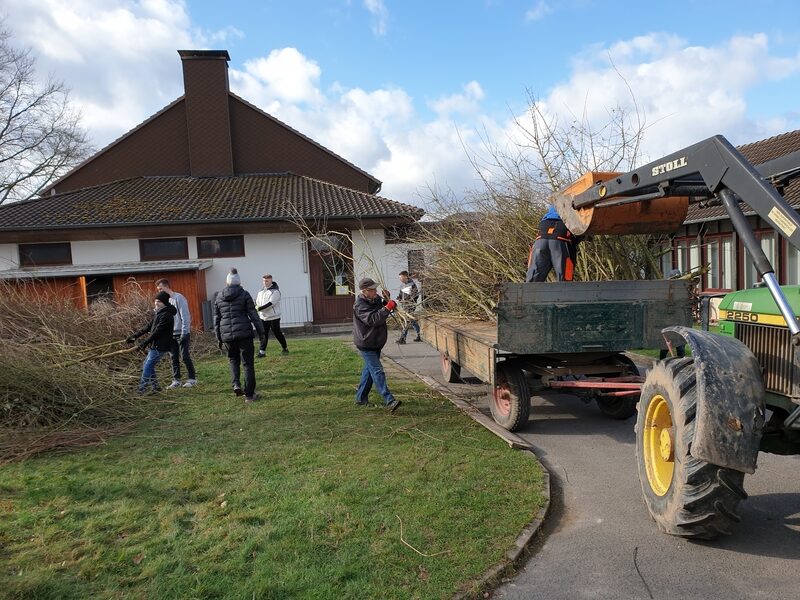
[398, 87]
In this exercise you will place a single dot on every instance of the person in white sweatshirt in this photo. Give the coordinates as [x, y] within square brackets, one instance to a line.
[268, 305]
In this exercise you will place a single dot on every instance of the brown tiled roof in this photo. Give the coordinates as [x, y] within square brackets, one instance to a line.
[169, 200]
[757, 153]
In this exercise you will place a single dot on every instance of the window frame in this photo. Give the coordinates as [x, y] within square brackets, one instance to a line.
[24, 263]
[719, 238]
[217, 237]
[143, 258]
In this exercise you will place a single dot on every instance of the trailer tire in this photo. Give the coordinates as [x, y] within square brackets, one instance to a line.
[510, 398]
[685, 496]
[451, 371]
[622, 407]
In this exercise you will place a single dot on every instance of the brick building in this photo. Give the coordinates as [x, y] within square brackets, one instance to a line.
[207, 183]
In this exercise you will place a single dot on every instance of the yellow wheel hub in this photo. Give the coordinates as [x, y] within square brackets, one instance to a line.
[659, 445]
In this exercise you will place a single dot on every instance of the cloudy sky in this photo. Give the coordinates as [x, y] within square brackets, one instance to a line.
[400, 87]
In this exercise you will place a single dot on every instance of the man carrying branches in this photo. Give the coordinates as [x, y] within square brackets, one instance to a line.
[159, 340]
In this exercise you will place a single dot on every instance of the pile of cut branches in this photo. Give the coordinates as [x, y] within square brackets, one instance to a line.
[66, 376]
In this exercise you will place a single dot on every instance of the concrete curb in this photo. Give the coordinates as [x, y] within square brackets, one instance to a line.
[490, 579]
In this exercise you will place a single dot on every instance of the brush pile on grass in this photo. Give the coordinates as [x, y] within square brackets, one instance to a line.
[54, 390]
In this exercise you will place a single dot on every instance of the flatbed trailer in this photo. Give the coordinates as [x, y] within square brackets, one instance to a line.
[561, 336]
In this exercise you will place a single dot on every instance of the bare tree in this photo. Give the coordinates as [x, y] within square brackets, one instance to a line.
[40, 133]
[484, 239]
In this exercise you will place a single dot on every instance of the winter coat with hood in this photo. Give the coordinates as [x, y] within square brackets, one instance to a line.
[369, 323]
[268, 302]
[235, 315]
[159, 329]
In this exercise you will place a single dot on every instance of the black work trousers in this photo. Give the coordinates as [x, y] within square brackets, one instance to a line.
[275, 326]
[241, 352]
[551, 254]
[180, 352]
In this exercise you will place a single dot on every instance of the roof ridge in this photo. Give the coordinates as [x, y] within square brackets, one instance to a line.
[111, 144]
[305, 137]
[770, 139]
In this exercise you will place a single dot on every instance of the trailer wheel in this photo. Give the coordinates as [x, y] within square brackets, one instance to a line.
[685, 496]
[451, 371]
[620, 407]
[510, 400]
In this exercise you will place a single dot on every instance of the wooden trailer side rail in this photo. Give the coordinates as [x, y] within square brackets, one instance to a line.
[470, 344]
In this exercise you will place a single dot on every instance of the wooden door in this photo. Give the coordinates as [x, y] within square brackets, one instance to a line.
[332, 287]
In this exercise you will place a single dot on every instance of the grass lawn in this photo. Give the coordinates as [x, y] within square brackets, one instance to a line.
[299, 495]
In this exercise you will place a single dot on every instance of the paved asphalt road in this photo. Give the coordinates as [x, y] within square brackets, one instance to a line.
[598, 540]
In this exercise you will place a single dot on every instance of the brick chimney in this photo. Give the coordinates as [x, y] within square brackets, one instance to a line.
[205, 83]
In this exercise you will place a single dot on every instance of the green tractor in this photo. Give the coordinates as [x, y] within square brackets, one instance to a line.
[749, 382]
[703, 419]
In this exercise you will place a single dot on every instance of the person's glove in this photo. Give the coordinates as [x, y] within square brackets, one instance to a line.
[130, 339]
[391, 305]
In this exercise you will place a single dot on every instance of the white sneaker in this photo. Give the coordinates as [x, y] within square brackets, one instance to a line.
[190, 383]
[175, 384]
[261, 354]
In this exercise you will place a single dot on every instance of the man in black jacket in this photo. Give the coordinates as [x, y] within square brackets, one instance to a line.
[159, 340]
[370, 312]
[234, 318]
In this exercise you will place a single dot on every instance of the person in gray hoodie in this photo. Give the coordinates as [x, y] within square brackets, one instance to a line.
[180, 337]
[370, 312]
[235, 317]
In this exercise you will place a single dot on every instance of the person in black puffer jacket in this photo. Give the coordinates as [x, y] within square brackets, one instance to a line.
[159, 339]
[234, 318]
[370, 312]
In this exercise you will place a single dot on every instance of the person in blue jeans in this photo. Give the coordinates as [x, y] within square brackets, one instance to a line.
[370, 312]
[159, 339]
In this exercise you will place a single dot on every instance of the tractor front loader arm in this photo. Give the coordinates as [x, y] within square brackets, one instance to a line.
[711, 171]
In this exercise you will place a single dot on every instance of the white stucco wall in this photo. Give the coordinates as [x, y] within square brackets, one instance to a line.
[9, 257]
[282, 255]
[373, 257]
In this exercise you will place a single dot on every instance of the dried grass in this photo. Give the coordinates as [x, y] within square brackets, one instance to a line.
[54, 390]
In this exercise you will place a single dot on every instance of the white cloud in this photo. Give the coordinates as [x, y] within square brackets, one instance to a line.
[687, 93]
[539, 11]
[380, 16]
[285, 75]
[466, 102]
[120, 58]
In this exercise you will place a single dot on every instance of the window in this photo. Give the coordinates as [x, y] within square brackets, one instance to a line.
[768, 245]
[687, 253]
[416, 262]
[335, 252]
[163, 249]
[665, 258]
[220, 246]
[792, 265]
[37, 255]
[721, 263]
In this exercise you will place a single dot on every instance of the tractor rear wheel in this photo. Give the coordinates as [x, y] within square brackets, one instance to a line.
[510, 399]
[685, 496]
[620, 407]
[451, 372]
